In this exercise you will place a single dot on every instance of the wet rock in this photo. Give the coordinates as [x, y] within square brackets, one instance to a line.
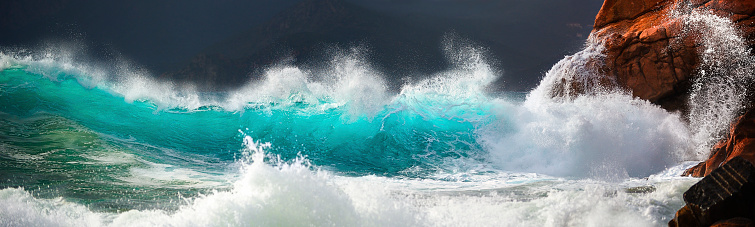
[726, 193]
[648, 50]
[734, 222]
[640, 189]
[686, 216]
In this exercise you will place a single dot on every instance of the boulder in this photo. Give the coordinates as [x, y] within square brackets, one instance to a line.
[727, 193]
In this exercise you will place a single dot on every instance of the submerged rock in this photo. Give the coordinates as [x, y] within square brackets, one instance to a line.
[725, 197]
[640, 189]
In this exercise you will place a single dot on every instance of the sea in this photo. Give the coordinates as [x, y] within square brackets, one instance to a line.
[85, 143]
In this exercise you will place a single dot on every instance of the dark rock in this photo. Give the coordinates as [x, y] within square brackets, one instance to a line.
[734, 222]
[727, 192]
[686, 216]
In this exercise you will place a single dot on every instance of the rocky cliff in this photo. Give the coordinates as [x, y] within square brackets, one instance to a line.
[654, 52]
[658, 51]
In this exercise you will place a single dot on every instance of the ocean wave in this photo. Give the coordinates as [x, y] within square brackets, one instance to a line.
[271, 192]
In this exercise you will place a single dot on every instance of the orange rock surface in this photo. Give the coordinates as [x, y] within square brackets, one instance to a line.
[650, 52]
[647, 50]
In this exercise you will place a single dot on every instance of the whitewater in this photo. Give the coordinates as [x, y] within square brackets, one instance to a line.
[86, 144]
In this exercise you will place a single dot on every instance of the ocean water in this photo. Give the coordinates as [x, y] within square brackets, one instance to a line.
[85, 144]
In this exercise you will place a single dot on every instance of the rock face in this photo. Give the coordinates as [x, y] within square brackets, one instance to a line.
[647, 50]
[726, 197]
[652, 52]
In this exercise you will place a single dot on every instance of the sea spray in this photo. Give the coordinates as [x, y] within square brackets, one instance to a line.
[271, 192]
[610, 135]
[275, 193]
[575, 75]
[20, 208]
[441, 152]
[578, 123]
[722, 80]
[720, 84]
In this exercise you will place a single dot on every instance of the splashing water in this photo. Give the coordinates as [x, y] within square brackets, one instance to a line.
[575, 75]
[332, 146]
[721, 86]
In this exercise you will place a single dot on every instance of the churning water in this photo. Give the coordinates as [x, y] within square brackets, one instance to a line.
[83, 145]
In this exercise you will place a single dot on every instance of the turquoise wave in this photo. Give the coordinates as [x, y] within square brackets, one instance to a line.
[57, 119]
[119, 141]
[410, 132]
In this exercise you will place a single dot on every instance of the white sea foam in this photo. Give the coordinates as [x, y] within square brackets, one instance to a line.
[572, 74]
[603, 136]
[292, 194]
[347, 80]
[19, 208]
[600, 133]
[168, 176]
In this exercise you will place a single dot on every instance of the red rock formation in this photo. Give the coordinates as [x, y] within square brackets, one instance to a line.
[650, 52]
[647, 51]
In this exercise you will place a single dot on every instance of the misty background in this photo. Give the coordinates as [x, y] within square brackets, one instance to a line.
[224, 43]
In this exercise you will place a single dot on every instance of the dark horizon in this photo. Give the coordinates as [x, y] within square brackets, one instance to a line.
[524, 38]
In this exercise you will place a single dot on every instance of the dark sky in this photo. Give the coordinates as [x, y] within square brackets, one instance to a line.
[165, 33]
[149, 32]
